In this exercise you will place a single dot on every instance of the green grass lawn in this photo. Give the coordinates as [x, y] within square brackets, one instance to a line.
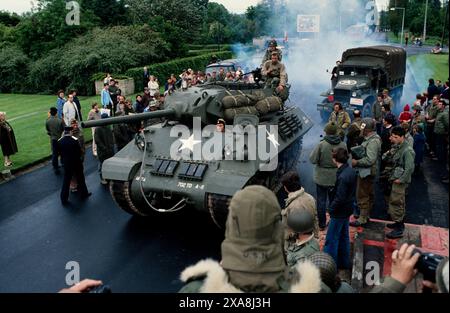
[27, 115]
[431, 66]
[431, 40]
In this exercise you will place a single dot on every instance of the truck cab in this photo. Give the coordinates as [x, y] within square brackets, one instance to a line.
[362, 74]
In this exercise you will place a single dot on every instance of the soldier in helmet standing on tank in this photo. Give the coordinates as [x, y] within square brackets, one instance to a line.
[272, 48]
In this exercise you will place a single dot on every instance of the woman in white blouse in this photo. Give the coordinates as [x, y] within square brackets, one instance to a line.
[153, 85]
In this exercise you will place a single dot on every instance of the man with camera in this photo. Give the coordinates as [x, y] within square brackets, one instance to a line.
[364, 160]
[407, 262]
[400, 177]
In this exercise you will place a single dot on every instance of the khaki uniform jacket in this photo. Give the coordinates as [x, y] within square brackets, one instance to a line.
[389, 101]
[268, 55]
[301, 199]
[372, 145]
[325, 170]
[404, 163]
[271, 70]
[342, 120]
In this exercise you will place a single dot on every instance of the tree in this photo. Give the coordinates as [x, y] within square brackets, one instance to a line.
[13, 69]
[109, 12]
[184, 19]
[9, 19]
[113, 50]
[46, 29]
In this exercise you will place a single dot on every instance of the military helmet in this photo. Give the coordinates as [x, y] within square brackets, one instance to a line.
[367, 123]
[273, 43]
[301, 221]
[327, 267]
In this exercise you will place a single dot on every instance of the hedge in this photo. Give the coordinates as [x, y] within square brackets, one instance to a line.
[209, 46]
[163, 70]
[193, 53]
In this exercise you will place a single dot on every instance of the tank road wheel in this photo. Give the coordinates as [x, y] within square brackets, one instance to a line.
[120, 191]
[218, 208]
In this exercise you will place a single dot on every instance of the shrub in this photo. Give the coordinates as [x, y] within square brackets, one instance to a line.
[112, 50]
[13, 69]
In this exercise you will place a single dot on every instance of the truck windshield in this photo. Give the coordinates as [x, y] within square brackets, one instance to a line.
[353, 71]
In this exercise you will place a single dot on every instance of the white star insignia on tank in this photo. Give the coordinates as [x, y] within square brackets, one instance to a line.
[189, 143]
[271, 138]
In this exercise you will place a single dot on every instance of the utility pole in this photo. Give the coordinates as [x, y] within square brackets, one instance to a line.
[425, 23]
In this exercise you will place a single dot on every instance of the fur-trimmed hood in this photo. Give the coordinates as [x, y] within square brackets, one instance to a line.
[217, 281]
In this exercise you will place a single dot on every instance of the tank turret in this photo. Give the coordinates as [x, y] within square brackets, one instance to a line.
[184, 161]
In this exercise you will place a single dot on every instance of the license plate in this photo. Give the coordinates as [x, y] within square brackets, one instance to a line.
[356, 101]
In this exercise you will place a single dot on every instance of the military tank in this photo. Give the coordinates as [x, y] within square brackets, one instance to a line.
[168, 166]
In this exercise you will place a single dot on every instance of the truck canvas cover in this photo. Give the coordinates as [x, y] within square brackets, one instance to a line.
[391, 59]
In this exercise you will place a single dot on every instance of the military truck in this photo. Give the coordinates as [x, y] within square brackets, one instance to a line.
[159, 172]
[364, 72]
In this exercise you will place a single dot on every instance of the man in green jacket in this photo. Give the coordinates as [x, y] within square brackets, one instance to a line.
[366, 168]
[400, 177]
[325, 170]
[55, 127]
[430, 117]
[441, 134]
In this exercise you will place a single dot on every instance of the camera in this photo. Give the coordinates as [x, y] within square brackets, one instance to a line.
[100, 289]
[427, 264]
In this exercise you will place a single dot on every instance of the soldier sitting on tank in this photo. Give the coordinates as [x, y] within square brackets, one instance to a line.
[301, 224]
[276, 77]
[220, 126]
[272, 48]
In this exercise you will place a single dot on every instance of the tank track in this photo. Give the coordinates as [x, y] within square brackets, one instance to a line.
[218, 204]
[120, 192]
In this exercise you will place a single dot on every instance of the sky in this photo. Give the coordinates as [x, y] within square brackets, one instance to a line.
[234, 6]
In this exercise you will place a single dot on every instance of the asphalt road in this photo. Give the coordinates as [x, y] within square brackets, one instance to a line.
[38, 236]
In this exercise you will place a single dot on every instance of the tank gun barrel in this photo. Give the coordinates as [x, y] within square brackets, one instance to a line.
[128, 118]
